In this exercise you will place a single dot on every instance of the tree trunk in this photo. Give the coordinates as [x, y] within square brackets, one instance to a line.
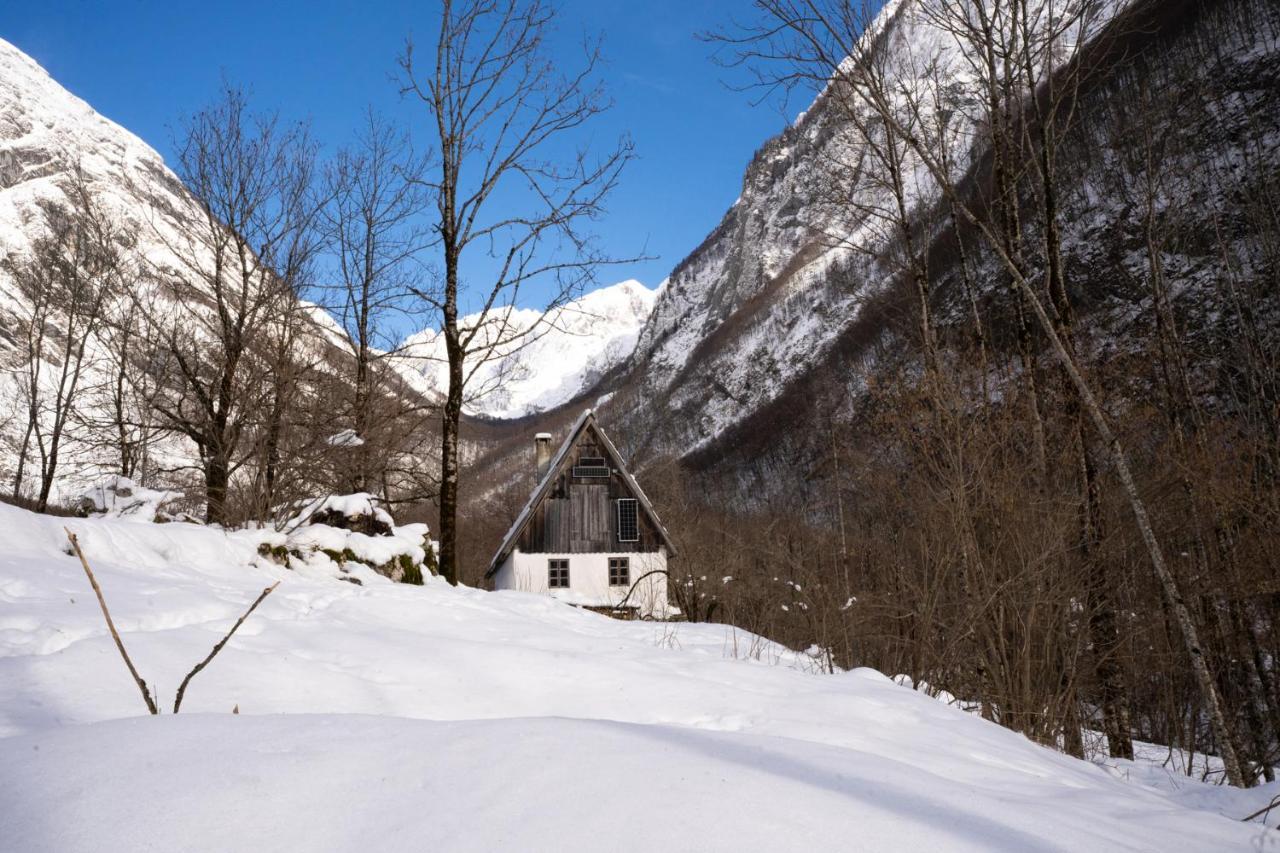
[47, 472]
[449, 474]
[360, 477]
[23, 449]
[216, 477]
[1104, 634]
[450, 423]
[274, 439]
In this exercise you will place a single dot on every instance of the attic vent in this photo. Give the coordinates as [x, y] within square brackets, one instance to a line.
[628, 524]
[591, 466]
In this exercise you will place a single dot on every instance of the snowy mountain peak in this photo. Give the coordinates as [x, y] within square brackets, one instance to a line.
[45, 133]
[28, 91]
[564, 353]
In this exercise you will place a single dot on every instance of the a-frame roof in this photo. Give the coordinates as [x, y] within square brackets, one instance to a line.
[587, 418]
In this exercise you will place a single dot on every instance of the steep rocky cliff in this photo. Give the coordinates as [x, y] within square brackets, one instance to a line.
[791, 296]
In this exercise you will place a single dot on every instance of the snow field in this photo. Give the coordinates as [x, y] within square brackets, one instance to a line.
[392, 717]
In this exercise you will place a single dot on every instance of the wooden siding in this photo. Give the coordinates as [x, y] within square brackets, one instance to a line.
[589, 518]
[579, 515]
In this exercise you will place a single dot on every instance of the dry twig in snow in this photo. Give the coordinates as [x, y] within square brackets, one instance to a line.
[115, 635]
[182, 688]
[111, 626]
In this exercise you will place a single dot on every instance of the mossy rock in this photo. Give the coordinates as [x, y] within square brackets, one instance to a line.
[338, 557]
[365, 523]
[401, 569]
[412, 572]
[278, 554]
[429, 562]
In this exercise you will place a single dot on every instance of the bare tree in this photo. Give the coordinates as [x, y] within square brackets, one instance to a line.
[820, 41]
[73, 272]
[34, 328]
[1017, 52]
[373, 228]
[277, 462]
[239, 265]
[125, 422]
[502, 111]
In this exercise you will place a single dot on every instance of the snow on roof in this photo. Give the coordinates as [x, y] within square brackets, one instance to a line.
[539, 491]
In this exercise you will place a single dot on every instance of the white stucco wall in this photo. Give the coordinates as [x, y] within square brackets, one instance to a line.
[589, 579]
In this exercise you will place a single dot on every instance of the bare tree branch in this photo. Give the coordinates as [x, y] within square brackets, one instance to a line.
[182, 688]
[111, 626]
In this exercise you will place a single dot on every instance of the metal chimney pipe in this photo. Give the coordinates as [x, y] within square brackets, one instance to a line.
[542, 453]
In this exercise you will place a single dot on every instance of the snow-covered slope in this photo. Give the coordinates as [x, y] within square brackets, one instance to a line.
[794, 284]
[395, 718]
[562, 354]
[45, 131]
[47, 135]
[796, 260]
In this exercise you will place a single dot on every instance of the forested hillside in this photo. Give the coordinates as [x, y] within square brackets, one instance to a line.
[889, 458]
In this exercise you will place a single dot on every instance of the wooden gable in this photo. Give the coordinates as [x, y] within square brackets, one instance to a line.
[579, 512]
[574, 507]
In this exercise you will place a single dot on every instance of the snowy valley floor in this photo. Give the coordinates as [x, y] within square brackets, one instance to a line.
[385, 717]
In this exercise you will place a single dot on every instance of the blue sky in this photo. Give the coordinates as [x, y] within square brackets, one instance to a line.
[145, 64]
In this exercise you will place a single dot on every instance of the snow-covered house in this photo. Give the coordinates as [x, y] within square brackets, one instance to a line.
[588, 535]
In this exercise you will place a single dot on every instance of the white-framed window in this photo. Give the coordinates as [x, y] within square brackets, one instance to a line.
[557, 574]
[619, 571]
[628, 520]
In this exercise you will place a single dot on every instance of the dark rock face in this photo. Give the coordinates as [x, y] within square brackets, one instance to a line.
[770, 292]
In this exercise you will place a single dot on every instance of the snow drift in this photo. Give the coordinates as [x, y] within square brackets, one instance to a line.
[392, 717]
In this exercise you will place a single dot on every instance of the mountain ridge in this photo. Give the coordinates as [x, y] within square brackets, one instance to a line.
[564, 352]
